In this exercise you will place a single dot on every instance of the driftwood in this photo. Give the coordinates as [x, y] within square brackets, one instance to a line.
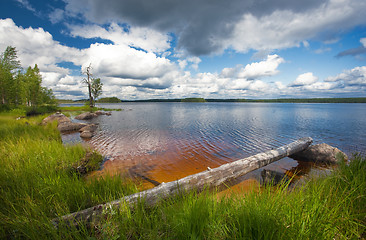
[210, 178]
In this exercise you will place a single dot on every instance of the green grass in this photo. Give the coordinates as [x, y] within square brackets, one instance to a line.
[76, 110]
[329, 207]
[38, 184]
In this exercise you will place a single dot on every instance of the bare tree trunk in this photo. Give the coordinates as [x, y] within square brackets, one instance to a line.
[88, 82]
[210, 178]
[90, 95]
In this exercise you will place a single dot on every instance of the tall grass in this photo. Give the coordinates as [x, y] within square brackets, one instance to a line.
[327, 207]
[36, 185]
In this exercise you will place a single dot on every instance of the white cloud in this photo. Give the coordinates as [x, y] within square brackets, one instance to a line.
[138, 37]
[121, 61]
[304, 79]
[261, 69]
[35, 46]
[363, 41]
[130, 73]
[355, 77]
[206, 27]
[56, 15]
[284, 28]
[322, 50]
[191, 61]
[27, 5]
[255, 70]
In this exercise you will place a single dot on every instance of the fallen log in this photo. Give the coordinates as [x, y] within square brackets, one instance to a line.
[208, 179]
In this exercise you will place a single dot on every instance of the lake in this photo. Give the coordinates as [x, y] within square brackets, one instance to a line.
[162, 142]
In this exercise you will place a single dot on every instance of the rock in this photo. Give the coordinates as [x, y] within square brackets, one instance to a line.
[90, 128]
[321, 153]
[99, 113]
[59, 117]
[102, 113]
[273, 177]
[86, 116]
[81, 170]
[86, 134]
[70, 126]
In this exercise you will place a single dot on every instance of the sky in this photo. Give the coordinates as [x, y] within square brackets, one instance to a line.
[144, 49]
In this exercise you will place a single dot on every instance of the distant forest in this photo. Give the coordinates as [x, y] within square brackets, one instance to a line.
[280, 100]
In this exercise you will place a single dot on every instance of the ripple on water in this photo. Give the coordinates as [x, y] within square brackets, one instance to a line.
[165, 142]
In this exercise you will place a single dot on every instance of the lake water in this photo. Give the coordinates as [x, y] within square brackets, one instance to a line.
[163, 142]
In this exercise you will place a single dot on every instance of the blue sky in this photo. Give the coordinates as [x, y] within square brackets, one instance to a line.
[194, 48]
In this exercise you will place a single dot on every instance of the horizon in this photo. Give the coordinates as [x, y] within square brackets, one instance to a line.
[208, 49]
[217, 99]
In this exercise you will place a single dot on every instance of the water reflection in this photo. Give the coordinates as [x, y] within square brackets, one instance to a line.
[163, 142]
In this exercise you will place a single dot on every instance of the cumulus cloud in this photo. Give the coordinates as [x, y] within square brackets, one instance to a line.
[36, 46]
[121, 61]
[118, 63]
[255, 70]
[210, 26]
[355, 77]
[351, 81]
[304, 80]
[134, 66]
[138, 37]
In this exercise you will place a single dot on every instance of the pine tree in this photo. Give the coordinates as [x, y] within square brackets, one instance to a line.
[9, 64]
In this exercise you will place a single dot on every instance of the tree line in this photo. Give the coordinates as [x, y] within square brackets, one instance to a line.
[19, 87]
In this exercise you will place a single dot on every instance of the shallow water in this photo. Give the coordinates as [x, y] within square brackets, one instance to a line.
[162, 142]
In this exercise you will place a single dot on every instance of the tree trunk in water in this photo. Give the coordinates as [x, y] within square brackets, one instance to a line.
[208, 179]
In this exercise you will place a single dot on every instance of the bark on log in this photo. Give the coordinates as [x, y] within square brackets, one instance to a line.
[210, 178]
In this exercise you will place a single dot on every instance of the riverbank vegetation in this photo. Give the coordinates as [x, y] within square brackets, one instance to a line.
[109, 100]
[39, 182]
[193, 100]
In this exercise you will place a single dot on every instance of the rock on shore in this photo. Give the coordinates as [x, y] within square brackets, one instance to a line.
[86, 116]
[90, 115]
[88, 131]
[59, 117]
[321, 153]
[66, 125]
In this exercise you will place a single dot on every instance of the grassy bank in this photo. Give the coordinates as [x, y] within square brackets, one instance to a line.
[38, 183]
[38, 180]
[331, 207]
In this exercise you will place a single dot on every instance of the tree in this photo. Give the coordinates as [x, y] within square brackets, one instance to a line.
[9, 64]
[33, 86]
[88, 82]
[18, 87]
[96, 88]
[94, 85]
